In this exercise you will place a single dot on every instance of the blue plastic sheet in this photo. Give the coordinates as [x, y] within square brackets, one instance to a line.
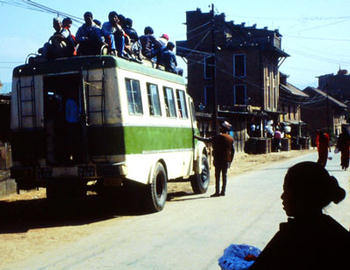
[238, 257]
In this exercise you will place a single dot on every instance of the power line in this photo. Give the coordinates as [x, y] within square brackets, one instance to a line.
[31, 5]
[321, 26]
[317, 38]
[317, 18]
[198, 27]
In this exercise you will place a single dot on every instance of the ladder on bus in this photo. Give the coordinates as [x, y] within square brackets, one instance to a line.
[23, 100]
[101, 96]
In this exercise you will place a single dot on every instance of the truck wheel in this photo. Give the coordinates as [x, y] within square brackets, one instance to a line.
[200, 182]
[156, 192]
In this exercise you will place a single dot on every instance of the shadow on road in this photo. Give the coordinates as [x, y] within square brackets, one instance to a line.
[174, 196]
[22, 215]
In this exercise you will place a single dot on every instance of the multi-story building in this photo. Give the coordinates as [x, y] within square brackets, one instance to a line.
[336, 85]
[322, 111]
[290, 101]
[240, 62]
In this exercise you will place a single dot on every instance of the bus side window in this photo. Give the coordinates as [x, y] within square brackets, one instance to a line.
[153, 100]
[181, 103]
[169, 102]
[134, 96]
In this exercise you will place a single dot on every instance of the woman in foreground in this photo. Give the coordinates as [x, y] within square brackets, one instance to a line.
[310, 239]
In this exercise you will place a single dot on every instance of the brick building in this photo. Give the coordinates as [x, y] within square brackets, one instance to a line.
[246, 79]
[322, 111]
[336, 85]
[290, 101]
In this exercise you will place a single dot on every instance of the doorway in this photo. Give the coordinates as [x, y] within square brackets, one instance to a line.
[63, 121]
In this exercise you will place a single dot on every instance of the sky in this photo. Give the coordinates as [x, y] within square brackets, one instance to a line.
[315, 32]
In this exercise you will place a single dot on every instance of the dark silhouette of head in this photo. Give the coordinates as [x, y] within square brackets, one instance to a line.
[88, 17]
[148, 30]
[121, 18]
[170, 46]
[113, 17]
[128, 22]
[308, 188]
[67, 22]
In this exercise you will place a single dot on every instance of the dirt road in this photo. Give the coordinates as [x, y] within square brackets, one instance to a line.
[30, 226]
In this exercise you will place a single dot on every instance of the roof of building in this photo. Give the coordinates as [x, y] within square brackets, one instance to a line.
[291, 89]
[311, 90]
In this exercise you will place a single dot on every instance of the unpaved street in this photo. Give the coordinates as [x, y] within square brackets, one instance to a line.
[190, 233]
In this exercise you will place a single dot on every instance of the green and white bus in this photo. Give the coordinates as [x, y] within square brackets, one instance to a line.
[105, 121]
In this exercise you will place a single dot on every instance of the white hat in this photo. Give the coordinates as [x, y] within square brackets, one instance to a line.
[226, 125]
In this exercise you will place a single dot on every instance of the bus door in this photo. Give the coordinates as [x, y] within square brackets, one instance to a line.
[62, 114]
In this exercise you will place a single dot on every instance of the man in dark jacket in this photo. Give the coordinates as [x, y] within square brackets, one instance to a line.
[223, 153]
[168, 59]
[89, 37]
[151, 47]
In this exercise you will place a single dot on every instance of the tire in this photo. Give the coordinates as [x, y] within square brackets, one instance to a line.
[156, 191]
[200, 182]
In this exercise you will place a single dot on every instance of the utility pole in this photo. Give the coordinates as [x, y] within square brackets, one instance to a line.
[327, 110]
[214, 51]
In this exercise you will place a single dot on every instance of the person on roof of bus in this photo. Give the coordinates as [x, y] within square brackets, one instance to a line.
[151, 47]
[163, 39]
[66, 25]
[130, 31]
[89, 36]
[168, 59]
[135, 45]
[115, 34]
[60, 43]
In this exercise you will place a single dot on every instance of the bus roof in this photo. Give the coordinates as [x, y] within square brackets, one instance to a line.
[76, 63]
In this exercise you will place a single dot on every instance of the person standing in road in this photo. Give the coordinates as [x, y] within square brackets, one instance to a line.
[310, 239]
[322, 143]
[223, 153]
[343, 144]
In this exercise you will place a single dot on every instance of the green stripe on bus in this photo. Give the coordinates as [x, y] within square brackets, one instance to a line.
[137, 140]
[77, 63]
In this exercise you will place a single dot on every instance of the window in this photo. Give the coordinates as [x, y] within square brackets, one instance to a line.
[169, 102]
[181, 103]
[208, 67]
[240, 94]
[134, 96]
[239, 65]
[153, 100]
[207, 92]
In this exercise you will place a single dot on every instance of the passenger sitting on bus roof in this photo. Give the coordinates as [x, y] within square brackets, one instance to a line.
[89, 37]
[59, 44]
[135, 47]
[163, 39]
[168, 59]
[151, 47]
[66, 25]
[113, 31]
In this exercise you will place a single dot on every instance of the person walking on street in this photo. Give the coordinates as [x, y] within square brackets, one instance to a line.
[322, 143]
[223, 153]
[343, 144]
